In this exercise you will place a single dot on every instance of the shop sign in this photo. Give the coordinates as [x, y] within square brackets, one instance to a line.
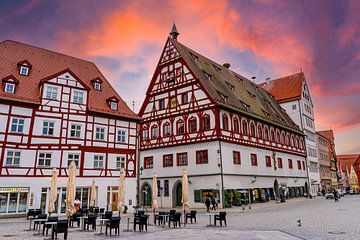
[14, 189]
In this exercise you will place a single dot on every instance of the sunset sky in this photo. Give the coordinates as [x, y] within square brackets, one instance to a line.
[258, 38]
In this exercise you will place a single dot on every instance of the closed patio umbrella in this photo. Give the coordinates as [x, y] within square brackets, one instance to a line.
[121, 202]
[185, 193]
[53, 192]
[70, 190]
[93, 194]
[154, 194]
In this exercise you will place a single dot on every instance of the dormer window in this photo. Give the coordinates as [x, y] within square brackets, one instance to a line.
[97, 84]
[113, 105]
[217, 68]
[24, 67]
[24, 70]
[230, 86]
[9, 87]
[208, 76]
[224, 97]
[9, 84]
[196, 58]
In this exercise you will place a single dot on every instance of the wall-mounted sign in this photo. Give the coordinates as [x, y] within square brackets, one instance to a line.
[13, 189]
[173, 102]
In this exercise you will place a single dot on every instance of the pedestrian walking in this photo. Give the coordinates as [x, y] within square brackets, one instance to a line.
[213, 202]
[207, 204]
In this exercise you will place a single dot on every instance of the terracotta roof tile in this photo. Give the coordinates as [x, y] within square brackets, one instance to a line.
[46, 63]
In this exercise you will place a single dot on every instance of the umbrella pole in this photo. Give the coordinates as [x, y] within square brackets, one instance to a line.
[154, 216]
[184, 217]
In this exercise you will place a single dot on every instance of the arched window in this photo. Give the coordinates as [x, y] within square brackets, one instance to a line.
[225, 122]
[192, 125]
[301, 144]
[272, 136]
[205, 122]
[166, 129]
[292, 141]
[145, 133]
[287, 142]
[277, 137]
[259, 132]
[283, 138]
[180, 128]
[236, 125]
[154, 132]
[252, 130]
[266, 134]
[244, 127]
[297, 142]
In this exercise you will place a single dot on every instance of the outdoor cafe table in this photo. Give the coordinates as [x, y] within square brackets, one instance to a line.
[39, 227]
[128, 223]
[102, 222]
[82, 224]
[51, 224]
[31, 219]
[211, 215]
[165, 216]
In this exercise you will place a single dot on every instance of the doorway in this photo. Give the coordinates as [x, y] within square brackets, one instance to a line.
[177, 194]
[146, 194]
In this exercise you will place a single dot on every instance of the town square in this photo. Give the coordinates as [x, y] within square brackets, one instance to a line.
[179, 119]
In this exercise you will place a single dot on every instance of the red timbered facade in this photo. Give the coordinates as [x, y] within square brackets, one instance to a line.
[210, 115]
[56, 109]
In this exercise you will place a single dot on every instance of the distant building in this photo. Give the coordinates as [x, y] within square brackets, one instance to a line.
[293, 94]
[324, 161]
[350, 167]
[55, 109]
[234, 139]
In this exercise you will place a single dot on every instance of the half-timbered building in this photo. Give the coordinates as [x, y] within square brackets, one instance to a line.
[234, 139]
[55, 109]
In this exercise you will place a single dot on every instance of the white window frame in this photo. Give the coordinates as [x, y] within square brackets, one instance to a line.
[121, 136]
[78, 97]
[51, 92]
[113, 105]
[13, 158]
[100, 133]
[46, 158]
[48, 128]
[99, 161]
[74, 157]
[120, 162]
[24, 70]
[97, 86]
[9, 87]
[75, 130]
[19, 124]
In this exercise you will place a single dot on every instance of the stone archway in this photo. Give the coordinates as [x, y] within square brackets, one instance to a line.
[146, 194]
[276, 189]
[177, 194]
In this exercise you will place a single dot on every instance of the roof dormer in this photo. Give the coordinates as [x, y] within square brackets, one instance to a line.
[96, 82]
[9, 84]
[113, 103]
[24, 67]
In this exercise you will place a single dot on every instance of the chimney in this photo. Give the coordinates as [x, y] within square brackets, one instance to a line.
[227, 65]
[253, 79]
[268, 81]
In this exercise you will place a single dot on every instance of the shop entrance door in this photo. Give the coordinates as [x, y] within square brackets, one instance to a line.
[115, 199]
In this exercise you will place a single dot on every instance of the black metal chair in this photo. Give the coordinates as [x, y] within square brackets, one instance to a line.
[114, 223]
[143, 219]
[40, 216]
[191, 215]
[175, 218]
[102, 210]
[30, 213]
[96, 210]
[61, 227]
[75, 218]
[46, 227]
[91, 220]
[160, 217]
[141, 212]
[107, 215]
[221, 217]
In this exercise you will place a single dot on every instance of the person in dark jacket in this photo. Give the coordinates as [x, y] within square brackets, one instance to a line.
[213, 203]
[207, 204]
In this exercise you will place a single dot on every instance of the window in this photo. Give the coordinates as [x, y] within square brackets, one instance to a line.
[202, 157]
[184, 98]
[303, 165]
[10, 87]
[98, 161]
[272, 136]
[24, 70]
[148, 162]
[244, 127]
[259, 132]
[252, 130]
[266, 134]
[13, 158]
[154, 132]
[113, 105]
[51, 92]
[120, 162]
[182, 159]
[100, 133]
[78, 97]
[290, 164]
[253, 159]
[268, 161]
[283, 138]
[279, 163]
[166, 129]
[192, 125]
[168, 160]
[121, 135]
[293, 107]
[17, 125]
[44, 160]
[97, 86]
[161, 104]
[225, 122]
[48, 128]
[75, 130]
[205, 123]
[236, 157]
[180, 127]
[236, 126]
[166, 188]
[73, 157]
[145, 134]
[299, 164]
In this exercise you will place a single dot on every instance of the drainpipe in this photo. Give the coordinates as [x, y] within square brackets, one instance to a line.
[220, 164]
[138, 169]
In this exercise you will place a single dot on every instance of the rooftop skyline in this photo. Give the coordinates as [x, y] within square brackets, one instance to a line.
[258, 38]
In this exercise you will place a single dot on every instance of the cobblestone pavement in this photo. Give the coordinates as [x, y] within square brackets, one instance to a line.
[320, 219]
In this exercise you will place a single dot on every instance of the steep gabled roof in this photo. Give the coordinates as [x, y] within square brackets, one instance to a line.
[287, 88]
[347, 160]
[46, 63]
[232, 90]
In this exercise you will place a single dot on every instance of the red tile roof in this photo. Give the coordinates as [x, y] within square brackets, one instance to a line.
[287, 88]
[45, 63]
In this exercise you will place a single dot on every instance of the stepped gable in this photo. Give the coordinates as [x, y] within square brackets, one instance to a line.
[45, 63]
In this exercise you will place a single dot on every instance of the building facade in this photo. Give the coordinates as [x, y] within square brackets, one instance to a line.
[56, 109]
[348, 165]
[324, 161]
[293, 94]
[235, 141]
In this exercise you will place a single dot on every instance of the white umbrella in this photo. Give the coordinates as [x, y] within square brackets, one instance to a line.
[93, 194]
[53, 192]
[154, 193]
[185, 193]
[121, 202]
[70, 190]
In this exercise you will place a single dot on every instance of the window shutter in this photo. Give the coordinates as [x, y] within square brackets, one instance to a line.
[197, 196]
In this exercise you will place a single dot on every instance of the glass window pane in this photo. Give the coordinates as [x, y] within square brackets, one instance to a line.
[22, 202]
[13, 202]
[3, 202]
